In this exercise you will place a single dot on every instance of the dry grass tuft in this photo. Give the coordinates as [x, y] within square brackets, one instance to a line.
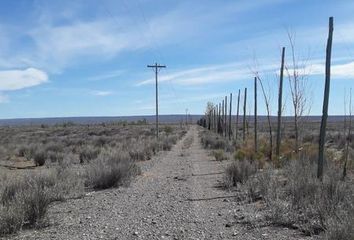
[239, 172]
[111, 169]
[219, 155]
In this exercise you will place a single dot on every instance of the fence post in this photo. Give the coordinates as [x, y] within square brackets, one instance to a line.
[255, 115]
[244, 115]
[325, 101]
[280, 98]
[230, 115]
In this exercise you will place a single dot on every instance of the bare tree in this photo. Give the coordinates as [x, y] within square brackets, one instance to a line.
[348, 138]
[298, 82]
[267, 98]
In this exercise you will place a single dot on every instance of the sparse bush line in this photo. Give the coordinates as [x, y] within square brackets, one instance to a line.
[297, 199]
[294, 196]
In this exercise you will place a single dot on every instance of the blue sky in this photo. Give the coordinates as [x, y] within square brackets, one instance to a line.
[89, 57]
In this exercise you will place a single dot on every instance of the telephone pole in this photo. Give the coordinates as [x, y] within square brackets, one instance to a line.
[157, 69]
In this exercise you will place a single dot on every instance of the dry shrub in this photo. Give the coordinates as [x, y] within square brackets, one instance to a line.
[182, 133]
[54, 147]
[297, 199]
[166, 142]
[69, 183]
[212, 141]
[22, 151]
[287, 149]
[24, 200]
[55, 156]
[27, 151]
[246, 151]
[308, 152]
[219, 155]
[168, 130]
[153, 145]
[101, 141]
[341, 229]
[11, 218]
[239, 172]
[40, 157]
[110, 169]
[88, 153]
[139, 150]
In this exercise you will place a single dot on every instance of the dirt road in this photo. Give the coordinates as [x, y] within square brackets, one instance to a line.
[176, 197]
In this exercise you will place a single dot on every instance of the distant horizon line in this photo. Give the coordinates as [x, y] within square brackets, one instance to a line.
[151, 115]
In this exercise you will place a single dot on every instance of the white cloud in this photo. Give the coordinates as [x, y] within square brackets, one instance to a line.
[210, 74]
[3, 98]
[101, 93]
[19, 79]
[344, 70]
[61, 38]
[243, 71]
[108, 75]
[60, 46]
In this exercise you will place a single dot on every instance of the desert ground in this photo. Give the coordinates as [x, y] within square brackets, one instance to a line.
[184, 191]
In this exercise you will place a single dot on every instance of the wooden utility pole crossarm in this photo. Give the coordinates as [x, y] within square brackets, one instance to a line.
[157, 68]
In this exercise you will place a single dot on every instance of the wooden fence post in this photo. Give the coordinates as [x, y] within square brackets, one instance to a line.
[225, 118]
[325, 101]
[222, 118]
[280, 98]
[230, 115]
[237, 114]
[255, 115]
[244, 116]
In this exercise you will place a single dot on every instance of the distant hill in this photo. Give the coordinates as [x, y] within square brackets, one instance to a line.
[174, 118]
[94, 120]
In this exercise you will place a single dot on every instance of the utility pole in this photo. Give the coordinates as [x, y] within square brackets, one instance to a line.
[157, 69]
